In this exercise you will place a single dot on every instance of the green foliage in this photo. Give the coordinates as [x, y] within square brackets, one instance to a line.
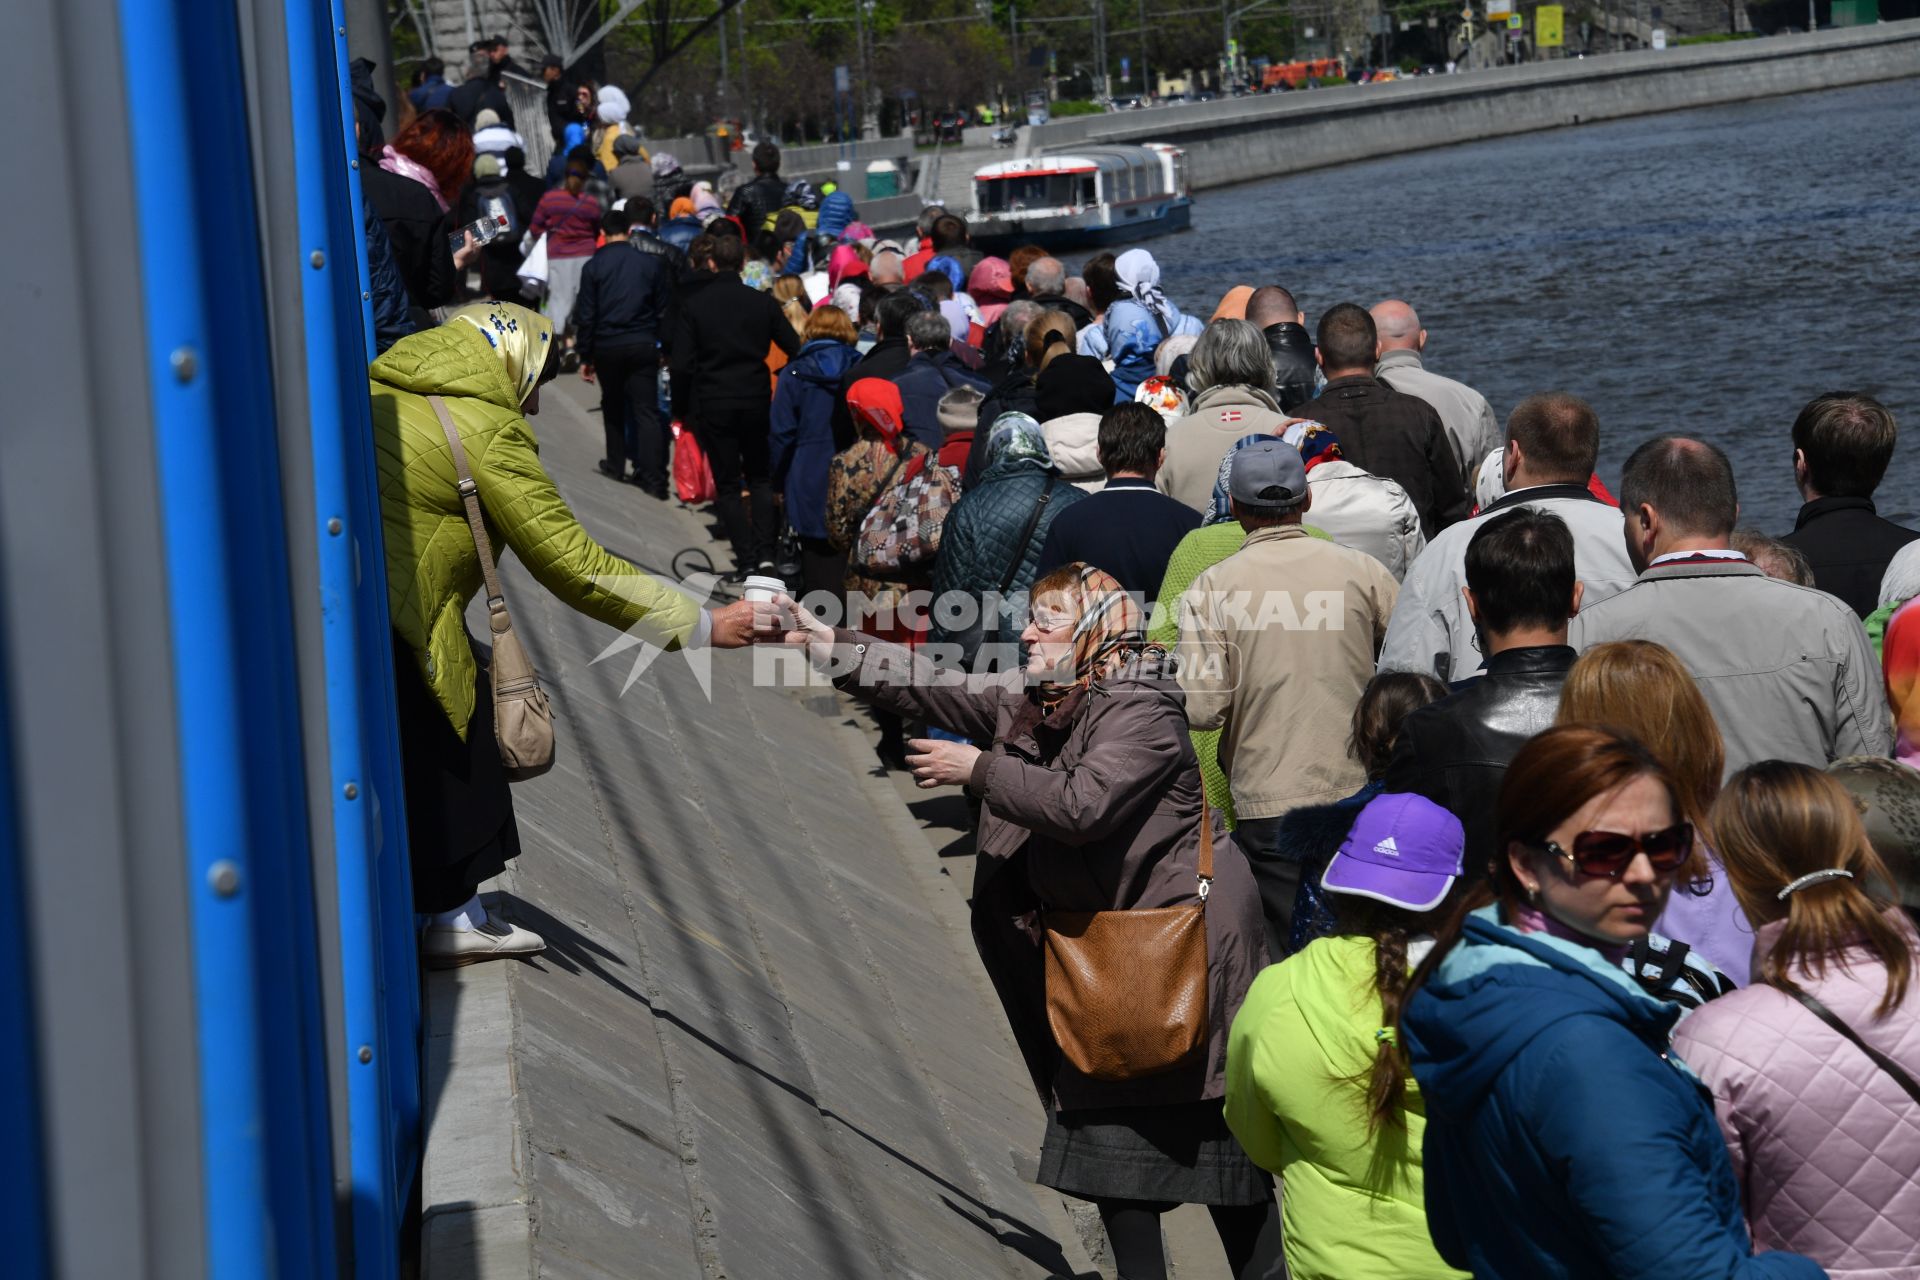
[1076, 107]
[1715, 37]
[1332, 82]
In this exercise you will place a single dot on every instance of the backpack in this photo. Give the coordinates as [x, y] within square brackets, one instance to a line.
[902, 531]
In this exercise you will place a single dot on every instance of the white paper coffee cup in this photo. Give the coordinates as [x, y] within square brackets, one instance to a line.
[761, 589]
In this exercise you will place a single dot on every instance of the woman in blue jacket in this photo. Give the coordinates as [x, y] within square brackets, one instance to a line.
[801, 439]
[1563, 1139]
[1136, 324]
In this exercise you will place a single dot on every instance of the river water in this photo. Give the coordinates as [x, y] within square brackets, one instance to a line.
[1705, 271]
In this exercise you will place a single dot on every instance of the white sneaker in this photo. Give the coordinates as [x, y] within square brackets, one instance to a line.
[448, 948]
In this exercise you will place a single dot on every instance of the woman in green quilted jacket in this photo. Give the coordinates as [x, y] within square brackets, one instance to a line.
[486, 363]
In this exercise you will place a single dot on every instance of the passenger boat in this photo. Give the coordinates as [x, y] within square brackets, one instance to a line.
[1089, 196]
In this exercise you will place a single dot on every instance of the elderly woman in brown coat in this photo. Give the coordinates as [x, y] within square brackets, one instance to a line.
[1091, 801]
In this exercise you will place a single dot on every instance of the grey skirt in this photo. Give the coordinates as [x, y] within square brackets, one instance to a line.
[1182, 1153]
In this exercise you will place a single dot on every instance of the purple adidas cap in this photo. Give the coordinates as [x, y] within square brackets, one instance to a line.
[1404, 849]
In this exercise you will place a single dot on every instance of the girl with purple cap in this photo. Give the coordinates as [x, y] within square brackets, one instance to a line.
[1311, 1059]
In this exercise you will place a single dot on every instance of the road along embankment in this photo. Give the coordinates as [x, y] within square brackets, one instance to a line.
[1240, 139]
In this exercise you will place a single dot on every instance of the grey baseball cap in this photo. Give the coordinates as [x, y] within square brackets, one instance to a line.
[1268, 477]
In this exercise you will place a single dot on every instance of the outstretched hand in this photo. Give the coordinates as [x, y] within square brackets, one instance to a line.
[938, 763]
[745, 622]
[804, 629]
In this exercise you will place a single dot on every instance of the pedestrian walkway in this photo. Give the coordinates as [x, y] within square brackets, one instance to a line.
[759, 1044]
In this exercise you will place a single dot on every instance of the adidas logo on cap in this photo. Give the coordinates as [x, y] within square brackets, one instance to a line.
[1388, 847]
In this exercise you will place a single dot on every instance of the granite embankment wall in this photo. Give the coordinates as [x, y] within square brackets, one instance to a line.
[1239, 139]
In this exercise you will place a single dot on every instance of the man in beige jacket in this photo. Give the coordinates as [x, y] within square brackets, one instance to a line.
[1277, 643]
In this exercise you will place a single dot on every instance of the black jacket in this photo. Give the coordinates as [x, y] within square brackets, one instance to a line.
[475, 96]
[753, 201]
[675, 258]
[887, 360]
[1455, 751]
[563, 107]
[418, 232]
[1397, 436]
[1081, 317]
[1128, 528]
[624, 300]
[1293, 364]
[721, 331]
[1848, 545]
[500, 259]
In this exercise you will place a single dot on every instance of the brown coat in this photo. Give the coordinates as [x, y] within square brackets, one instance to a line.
[1098, 812]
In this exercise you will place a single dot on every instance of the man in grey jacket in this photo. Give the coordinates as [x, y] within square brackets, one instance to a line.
[1787, 670]
[1464, 412]
[1552, 443]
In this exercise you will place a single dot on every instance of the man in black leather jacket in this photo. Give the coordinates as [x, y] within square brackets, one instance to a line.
[1273, 311]
[755, 201]
[1521, 592]
[647, 240]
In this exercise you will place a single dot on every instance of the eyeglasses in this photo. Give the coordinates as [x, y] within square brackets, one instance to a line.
[1610, 853]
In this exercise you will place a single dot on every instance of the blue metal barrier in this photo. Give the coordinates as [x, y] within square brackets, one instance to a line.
[268, 1186]
[379, 979]
[22, 1221]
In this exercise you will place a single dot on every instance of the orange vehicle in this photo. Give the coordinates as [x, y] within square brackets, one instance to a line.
[1294, 74]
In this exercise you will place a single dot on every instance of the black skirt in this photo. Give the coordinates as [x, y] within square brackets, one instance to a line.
[1182, 1153]
[460, 827]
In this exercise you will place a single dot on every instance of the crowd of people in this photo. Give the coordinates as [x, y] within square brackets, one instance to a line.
[1554, 849]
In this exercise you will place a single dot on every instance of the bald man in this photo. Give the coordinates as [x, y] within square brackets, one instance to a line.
[1047, 285]
[887, 269]
[1468, 418]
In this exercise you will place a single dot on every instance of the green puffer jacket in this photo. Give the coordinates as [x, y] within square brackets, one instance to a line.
[433, 569]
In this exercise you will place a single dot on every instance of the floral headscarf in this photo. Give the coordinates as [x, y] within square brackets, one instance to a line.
[518, 336]
[1013, 436]
[1222, 509]
[1163, 396]
[875, 406]
[1109, 630]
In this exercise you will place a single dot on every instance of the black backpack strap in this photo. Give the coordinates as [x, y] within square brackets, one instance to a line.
[1026, 539]
[1879, 1059]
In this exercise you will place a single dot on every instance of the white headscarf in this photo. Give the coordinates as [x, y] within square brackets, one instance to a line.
[613, 105]
[1139, 275]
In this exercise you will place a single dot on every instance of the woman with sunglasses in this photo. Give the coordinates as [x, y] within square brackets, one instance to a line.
[1825, 1138]
[1563, 1141]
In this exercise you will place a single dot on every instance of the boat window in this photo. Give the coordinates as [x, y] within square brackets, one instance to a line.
[1026, 191]
[1087, 196]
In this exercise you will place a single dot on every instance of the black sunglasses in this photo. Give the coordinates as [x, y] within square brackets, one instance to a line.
[1610, 853]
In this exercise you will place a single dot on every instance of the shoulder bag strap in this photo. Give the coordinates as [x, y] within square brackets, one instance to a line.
[1879, 1059]
[1205, 869]
[470, 496]
[1033, 522]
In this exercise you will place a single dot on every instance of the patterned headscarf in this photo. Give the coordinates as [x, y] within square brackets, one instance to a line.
[1013, 436]
[875, 406]
[1315, 441]
[518, 336]
[1222, 509]
[1109, 630]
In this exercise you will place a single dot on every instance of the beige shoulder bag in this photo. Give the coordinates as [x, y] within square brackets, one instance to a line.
[522, 717]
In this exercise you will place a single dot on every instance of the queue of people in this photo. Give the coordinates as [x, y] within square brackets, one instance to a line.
[1531, 870]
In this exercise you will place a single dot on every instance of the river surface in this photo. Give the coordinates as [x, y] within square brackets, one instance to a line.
[1705, 271]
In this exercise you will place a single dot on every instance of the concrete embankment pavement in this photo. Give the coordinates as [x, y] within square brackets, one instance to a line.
[759, 1044]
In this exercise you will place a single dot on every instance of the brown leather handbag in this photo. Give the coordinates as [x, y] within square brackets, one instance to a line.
[522, 716]
[1127, 990]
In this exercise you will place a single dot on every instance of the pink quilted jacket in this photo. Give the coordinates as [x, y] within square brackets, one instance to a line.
[1827, 1146]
